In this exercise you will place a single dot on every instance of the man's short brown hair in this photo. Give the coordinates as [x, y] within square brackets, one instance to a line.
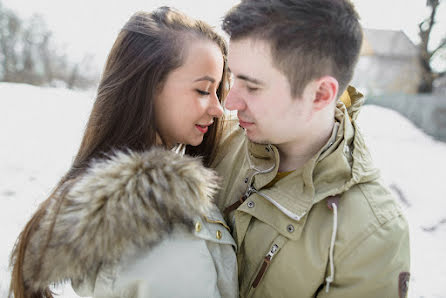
[308, 38]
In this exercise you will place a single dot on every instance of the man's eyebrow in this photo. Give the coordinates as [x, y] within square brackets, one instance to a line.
[205, 78]
[248, 79]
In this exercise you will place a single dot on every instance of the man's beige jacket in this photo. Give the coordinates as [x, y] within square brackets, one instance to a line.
[329, 230]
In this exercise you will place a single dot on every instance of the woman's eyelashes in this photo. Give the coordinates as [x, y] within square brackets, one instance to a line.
[202, 92]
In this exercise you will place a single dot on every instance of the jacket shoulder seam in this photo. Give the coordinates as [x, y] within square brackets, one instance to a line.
[364, 235]
[381, 217]
[373, 226]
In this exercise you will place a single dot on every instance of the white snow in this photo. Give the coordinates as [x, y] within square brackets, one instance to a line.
[41, 128]
[416, 165]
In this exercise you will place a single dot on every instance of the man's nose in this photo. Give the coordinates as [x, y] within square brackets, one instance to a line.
[234, 101]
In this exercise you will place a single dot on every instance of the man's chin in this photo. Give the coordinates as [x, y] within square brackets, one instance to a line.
[256, 139]
[261, 142]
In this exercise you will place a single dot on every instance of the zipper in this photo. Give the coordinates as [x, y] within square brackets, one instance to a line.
[266, 262]
[240, 201]
[251, 189]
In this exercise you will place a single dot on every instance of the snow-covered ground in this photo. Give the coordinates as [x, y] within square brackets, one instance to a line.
[413, 165]
[40, 130]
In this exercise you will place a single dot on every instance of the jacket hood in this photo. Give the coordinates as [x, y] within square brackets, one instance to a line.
[347, 161]
[121, 204]
[342, 163]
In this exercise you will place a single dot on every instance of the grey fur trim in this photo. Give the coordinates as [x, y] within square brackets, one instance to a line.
[129, 201]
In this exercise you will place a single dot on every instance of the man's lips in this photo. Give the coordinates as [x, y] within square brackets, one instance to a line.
[245, 124]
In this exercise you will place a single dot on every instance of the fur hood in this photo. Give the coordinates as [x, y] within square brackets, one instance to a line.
[123, 203]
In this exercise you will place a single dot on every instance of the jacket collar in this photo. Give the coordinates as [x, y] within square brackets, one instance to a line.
[341, 163]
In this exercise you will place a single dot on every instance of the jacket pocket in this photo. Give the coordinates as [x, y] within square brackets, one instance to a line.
[277, 244]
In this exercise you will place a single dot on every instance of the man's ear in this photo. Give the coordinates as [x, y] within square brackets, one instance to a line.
[326, 92]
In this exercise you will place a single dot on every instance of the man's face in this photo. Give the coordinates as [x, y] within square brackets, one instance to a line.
[261, 95]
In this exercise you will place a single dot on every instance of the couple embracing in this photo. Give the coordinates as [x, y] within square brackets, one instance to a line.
[168, 198]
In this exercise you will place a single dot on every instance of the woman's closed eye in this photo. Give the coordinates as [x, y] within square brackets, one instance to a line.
[202, 92]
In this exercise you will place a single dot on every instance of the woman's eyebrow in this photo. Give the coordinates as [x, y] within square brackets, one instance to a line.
[205, 78]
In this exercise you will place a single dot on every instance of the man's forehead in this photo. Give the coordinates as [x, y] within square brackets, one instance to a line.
[253, 45]
[249, 57]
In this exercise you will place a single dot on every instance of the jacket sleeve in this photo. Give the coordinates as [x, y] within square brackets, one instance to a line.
[165, 271]
[183, 264]
[377, 267]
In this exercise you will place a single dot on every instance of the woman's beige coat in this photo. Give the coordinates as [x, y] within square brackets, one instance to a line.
[136, 225]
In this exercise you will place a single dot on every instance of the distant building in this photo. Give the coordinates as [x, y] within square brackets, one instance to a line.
[440, 86]
[388, 63]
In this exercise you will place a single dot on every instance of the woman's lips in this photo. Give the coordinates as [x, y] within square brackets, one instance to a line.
[202, 128]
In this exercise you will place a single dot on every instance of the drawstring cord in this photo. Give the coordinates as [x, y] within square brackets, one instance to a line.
[332, 204]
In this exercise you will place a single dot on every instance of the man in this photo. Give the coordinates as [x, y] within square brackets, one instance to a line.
[306, 207]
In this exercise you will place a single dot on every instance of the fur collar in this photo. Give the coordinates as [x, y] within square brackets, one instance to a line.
[126, 202]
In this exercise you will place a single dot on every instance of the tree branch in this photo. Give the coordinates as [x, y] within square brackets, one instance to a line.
[439, 47]
[426, 32]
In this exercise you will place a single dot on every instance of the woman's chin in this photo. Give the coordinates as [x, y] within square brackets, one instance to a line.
[196, 141]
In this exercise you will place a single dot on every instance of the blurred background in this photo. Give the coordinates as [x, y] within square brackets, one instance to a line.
[52, 54]
[65, 44]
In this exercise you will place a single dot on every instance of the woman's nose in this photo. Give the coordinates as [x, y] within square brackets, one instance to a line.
[215, 108]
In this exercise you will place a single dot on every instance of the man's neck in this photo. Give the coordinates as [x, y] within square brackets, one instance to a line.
[293, 156]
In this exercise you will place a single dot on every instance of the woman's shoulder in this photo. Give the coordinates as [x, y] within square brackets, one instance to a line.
[181, 264]
[213, 228]
[138, 194]
[122, 203]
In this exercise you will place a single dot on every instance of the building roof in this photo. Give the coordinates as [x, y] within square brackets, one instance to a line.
[387, 43]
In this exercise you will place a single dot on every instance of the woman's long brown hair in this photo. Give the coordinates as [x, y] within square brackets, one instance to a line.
[148, 48]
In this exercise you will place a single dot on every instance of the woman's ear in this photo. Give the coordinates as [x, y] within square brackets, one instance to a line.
[326, 92]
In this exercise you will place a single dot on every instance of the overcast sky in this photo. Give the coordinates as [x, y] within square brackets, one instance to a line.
[90, 26]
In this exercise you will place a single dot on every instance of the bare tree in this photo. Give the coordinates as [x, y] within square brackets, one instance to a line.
[45, 53]
[29, 55]
[426, 55]
[10, 28]
[29, 70]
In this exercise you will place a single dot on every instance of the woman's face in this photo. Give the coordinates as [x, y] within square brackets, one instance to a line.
[188, 102]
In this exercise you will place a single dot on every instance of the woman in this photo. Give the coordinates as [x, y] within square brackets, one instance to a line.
[132, 218]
